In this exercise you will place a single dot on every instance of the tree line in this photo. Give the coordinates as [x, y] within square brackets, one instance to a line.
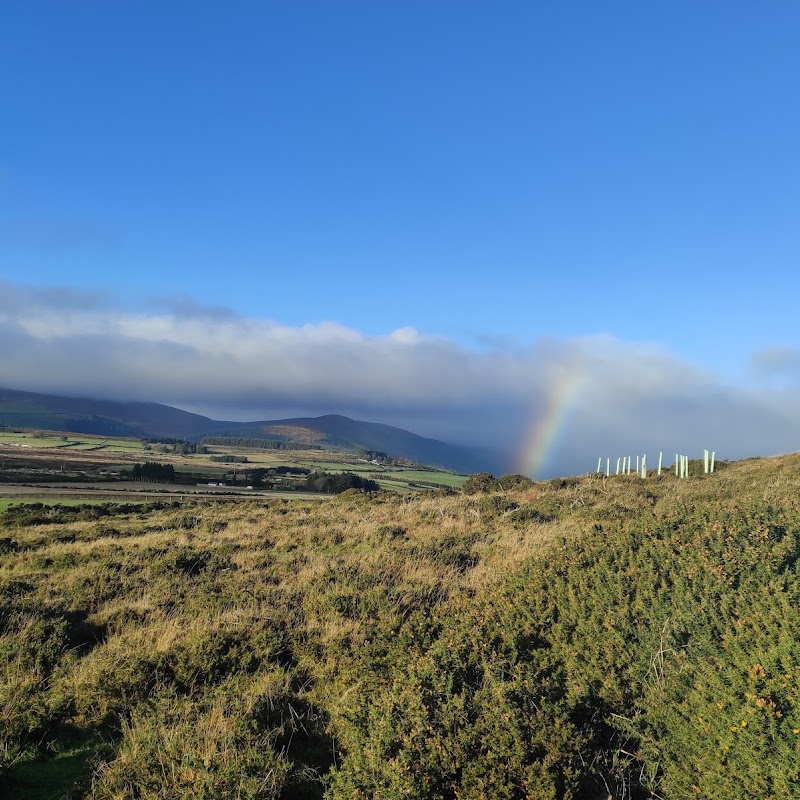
[153, 471]
[336, 483]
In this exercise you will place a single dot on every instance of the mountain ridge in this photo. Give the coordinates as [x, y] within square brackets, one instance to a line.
[150, 420]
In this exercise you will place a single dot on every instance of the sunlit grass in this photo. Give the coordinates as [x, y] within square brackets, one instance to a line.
[562, 639]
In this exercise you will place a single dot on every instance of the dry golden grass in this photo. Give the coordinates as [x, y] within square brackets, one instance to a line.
[180, 625]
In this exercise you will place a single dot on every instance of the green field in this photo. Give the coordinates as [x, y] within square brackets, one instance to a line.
[30, 439]
[392, 485]
[432, 476]
[199, 466]
[68, 441]
[126, 444]
[396, 478]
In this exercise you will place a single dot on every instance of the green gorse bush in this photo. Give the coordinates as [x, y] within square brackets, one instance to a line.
[570, 639]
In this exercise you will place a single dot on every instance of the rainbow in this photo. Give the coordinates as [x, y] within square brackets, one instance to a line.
[548, 421]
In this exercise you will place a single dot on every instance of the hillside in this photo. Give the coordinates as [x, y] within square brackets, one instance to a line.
[334, 430]
[154, 420]
[101, 417]
[579, 638]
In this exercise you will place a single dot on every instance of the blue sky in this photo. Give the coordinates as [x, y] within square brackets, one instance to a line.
[494, 176]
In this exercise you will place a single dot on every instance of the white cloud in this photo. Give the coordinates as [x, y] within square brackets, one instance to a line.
[559, 403]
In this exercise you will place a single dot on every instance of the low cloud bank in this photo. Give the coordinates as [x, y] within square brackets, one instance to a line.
[555, 406]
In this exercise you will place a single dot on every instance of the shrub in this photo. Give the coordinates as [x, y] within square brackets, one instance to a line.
[481, 483]
[496, 504]
[337, 483]
[508, 482]
[391, 532]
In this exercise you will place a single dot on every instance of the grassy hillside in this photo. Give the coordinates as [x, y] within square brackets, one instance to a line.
[100, 417]
[582, 638]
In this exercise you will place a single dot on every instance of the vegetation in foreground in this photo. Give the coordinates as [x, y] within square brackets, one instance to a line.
[582, 638]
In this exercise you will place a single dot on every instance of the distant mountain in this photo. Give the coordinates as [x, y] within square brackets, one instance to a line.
[101, 417]
[334, 430]
[154, 420]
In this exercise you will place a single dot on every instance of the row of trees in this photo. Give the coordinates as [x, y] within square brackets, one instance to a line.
[380, 457]
[324, 482]
[153, 471]
[269, 476]
[319, 481]
[174, 446]
[336, 483]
